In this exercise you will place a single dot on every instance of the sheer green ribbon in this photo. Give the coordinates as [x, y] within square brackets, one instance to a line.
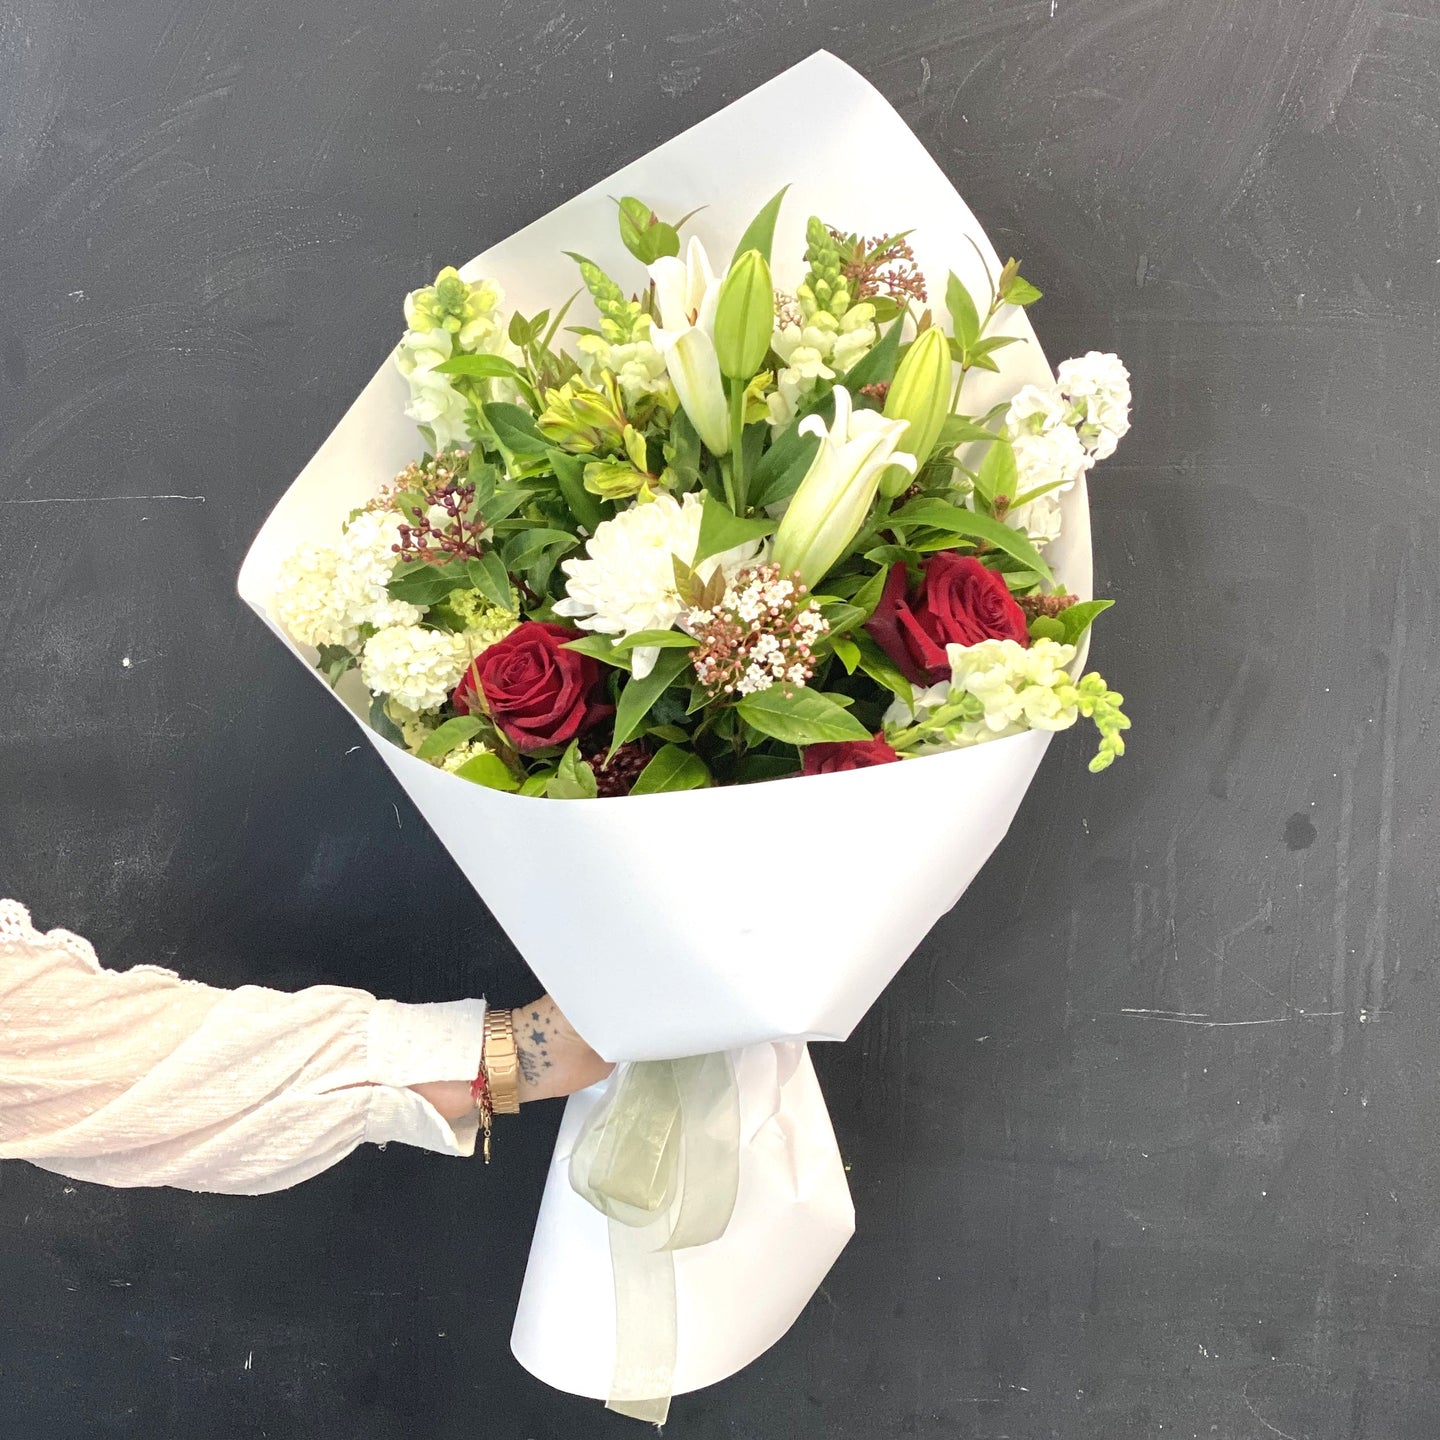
[659, 1157]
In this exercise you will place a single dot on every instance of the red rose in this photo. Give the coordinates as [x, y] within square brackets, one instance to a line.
[959, 602]
[537, 692]
[833, 755]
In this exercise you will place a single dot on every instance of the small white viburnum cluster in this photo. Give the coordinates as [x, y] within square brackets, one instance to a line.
[416, 668]
[762, 633]
[1059, 431]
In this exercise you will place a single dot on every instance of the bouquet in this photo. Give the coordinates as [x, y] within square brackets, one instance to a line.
[733, 534]
[734, 501]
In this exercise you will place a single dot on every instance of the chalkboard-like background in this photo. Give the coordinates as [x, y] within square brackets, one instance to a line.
[1143, 1141]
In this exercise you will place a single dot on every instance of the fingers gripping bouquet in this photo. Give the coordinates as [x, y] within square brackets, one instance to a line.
[746, 540]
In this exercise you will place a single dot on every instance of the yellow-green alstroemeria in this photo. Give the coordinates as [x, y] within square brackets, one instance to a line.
[839, 488]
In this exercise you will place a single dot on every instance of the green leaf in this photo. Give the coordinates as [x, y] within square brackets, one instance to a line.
[480, 367]
[448, 736]
[997, 474]
[520, 330]
[1078, 618]
[801, 717]
[536, 783]
[665, 639]
[760, 232]
[964, 318]
[782, 467]
[881, 669]
[985, 528]
[877, 366]
[1020, 292]
[334, 661]
[847, 652]
[989, 344]
[585, 507]
[599, 647]
[643, 233]
[638, 696]
[962, 430]
[672, 768]
[573, 778]
[721, 529]
[489, 576]
[382, 724]
[515, 429]
[526, 547]
[867, 597]
[420, 583]
[754, 769]
[1046, 627]
[489, 770]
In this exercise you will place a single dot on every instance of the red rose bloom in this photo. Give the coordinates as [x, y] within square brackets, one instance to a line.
[958, 602]
[832, 755]
[536, 692]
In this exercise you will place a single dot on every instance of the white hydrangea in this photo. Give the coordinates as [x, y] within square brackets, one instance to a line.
[1097, 388]
[366, 562]
[626, 582]
[434, 401]
[637, 365]
[416, 668]
[462, 755]
[819, 350]
[306, 604]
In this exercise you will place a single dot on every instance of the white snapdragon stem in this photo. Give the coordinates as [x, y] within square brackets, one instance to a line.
[839, 488]
[686, 293]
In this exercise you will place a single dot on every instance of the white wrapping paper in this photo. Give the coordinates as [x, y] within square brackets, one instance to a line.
[719, 919]
[736, 1296]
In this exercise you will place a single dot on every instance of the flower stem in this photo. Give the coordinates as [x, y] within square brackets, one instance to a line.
[739, 499]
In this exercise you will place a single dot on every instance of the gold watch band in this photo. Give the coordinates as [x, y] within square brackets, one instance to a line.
[501, 1060]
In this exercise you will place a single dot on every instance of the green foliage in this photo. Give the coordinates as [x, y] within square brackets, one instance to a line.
[760, 232]
[672, 768]
[662, 639]
[877, 366]
[643, 233]
[984, 529]
[451, 734]
[489, 770]
[782, 467]
[334, 661]
[573, 778]
[800, 716]
[382, 724]
[720, 529]
[638, 696]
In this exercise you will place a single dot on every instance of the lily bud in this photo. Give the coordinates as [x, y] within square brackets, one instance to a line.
[744, 317]
[920, 393]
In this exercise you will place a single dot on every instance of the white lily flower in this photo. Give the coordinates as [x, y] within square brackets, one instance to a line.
[839, 488]
[686, 293]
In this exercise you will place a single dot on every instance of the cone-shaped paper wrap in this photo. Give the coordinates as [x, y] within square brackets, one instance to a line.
[709, 920]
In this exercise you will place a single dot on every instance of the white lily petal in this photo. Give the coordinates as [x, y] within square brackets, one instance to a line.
[642, 660]
[695, 372]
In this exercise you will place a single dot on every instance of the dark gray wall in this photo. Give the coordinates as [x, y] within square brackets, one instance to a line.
[1143, 1141]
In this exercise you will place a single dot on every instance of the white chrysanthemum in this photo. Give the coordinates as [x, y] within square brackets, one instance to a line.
[819, 350]
[1098, 386]
[366, 562]
[626, 582]
[306, 600]
[434, 401]
[416, 668]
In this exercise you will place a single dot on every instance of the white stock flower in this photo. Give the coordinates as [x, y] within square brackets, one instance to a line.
[637, 365]
[819, 350]
[1015, 683]
[686, 294]
[1097, 385]
[306, 604]
[1048, 455]
[626, 582]
[416, 668]
[367, 559]
[434, 401]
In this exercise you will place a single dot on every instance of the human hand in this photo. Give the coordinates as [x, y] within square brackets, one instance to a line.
[553, 1059]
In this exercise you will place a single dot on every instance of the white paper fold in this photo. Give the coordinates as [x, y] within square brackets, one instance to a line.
[736, 1296]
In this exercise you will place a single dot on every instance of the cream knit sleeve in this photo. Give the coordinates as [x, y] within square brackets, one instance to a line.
[142, 1078]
